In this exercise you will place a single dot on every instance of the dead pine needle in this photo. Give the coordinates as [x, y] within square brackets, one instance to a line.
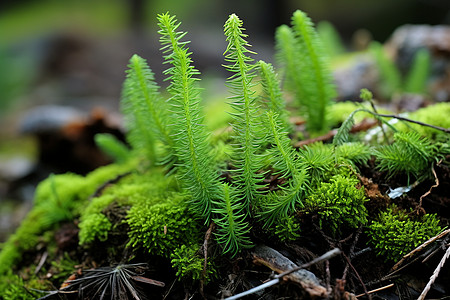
[435, 275]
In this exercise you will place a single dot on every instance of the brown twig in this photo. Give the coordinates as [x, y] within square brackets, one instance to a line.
[435, 275]
[436, 180]
[357, 275]
[376, 290]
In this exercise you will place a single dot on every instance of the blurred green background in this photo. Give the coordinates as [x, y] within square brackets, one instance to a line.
[75, 51]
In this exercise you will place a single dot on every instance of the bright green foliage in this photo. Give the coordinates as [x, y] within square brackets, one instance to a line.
[12, 287]
[313, 88]
[283, 154]
[189, 264]
[287, 57]
[162, 225]
[133, 188]
[143, 109]
[272, 93]
[285, 161]
[114, 148]
[279, 206]
[317, 159]
[410, 154]
[353, 153]
[195, 166]
[338, 202]
[343, 133]
[245, 116]
[396, 233]
[288, 229]
[390, 75]
[232, 229]
[96, 226]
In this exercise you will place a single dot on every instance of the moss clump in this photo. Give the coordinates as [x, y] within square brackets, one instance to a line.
[163, 224]
[57, 199]
[395, 233]
[134, 188]
[188, 263]
[338, 202]
[288, 229]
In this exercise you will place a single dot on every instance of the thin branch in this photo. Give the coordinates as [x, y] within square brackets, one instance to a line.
[376, 290]
[446, 130]
[435, 275]
[357, 275]
[328, 255]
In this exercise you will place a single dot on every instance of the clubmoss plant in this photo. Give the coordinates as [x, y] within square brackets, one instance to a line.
[195, 165]
[410, 154]
[189, 264]
[144, 110]
[245, 124]
[301, 49]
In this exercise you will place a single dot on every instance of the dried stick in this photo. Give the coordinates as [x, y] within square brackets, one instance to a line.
[435, 275]
[376, 290]
[328, 255]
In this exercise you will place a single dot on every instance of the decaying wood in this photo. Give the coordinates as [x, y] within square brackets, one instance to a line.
[274, 260]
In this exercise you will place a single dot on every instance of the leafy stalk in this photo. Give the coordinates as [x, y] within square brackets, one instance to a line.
[280, 205]
[316, 78]
[195, 165]
[243, 99]
[143, 109]
[232, 229]
[272, 91]
[287, 57]
[284, 155]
